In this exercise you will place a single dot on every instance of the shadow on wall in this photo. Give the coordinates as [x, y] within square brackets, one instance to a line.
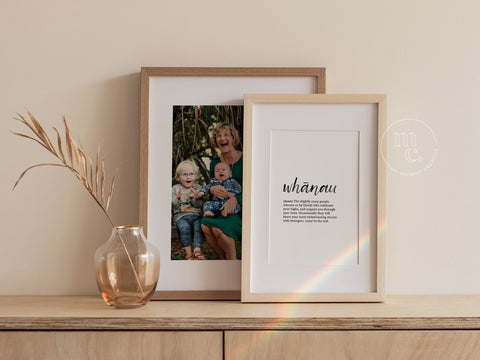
[51, 214]
[115, 104]
[112, 112]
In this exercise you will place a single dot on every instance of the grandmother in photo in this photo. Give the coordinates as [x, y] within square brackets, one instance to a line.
[222, 231]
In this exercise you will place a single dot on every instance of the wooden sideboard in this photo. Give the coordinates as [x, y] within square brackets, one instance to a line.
[78, 327]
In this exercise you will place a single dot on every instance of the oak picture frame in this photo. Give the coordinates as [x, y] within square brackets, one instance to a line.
[162, 88]
[351, 124]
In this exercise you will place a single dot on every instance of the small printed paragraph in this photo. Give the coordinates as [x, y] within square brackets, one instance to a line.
[308, 211]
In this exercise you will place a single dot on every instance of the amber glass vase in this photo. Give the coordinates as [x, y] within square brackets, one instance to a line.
[127, 268]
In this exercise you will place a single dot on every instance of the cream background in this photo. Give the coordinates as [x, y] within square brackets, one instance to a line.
[82, 59]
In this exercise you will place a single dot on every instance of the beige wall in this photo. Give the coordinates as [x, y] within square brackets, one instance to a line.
[82, 59]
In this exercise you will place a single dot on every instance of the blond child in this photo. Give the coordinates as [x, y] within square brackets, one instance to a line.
[187, 209]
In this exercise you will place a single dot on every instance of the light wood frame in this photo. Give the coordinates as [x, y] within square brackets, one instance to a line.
[250, 263]
[315, 74]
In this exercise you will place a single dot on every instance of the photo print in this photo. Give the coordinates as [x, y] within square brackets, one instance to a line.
[207, 170]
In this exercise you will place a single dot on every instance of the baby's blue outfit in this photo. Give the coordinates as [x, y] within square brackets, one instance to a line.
[215, 204]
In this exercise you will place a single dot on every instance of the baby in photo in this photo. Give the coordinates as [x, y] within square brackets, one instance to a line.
[187, 209]
[223, 177]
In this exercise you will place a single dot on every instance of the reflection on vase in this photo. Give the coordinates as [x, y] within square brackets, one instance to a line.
[127, 268]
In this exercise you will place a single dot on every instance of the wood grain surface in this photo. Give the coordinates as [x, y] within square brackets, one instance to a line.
[351, 345]
[91, 313]
[115, 345]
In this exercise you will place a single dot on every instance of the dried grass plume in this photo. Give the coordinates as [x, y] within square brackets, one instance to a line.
[72, 156]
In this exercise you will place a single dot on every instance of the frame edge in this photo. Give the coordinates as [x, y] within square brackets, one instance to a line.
[375, 296]
[144, 123]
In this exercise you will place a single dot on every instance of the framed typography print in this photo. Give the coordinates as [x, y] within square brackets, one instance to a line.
[314, 198]
[191, 170]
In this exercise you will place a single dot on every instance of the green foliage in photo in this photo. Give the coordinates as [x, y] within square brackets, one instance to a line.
[192, 126]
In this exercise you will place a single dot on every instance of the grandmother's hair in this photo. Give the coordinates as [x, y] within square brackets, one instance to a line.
[184, 164]
[228, 126]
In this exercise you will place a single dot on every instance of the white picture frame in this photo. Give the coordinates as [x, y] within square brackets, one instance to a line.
[314, 198]
[162, 88]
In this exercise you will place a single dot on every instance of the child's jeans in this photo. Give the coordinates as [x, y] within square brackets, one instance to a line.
[187, 225]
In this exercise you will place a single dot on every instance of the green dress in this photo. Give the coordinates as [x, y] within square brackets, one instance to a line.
[232, 224]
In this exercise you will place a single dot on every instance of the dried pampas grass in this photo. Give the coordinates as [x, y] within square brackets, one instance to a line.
[73, 157]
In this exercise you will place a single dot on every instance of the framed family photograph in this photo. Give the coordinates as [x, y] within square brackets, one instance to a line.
[191, 170]
[313, 198]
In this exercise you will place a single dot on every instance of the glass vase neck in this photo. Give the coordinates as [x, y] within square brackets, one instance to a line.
[128, 227]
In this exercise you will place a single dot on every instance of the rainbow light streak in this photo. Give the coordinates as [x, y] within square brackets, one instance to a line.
[287, 311]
